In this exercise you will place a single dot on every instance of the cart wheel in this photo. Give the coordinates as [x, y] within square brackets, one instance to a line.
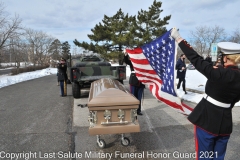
[125, 141]
[101, 143]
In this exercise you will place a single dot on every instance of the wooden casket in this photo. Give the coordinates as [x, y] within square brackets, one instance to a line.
[112, 108]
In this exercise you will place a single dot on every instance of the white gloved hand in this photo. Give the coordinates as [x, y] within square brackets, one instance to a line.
[175, 34]
[125, 52]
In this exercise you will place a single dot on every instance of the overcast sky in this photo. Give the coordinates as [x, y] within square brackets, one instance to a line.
[74, 19]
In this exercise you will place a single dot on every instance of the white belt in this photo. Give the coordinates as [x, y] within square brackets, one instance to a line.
[217, 103]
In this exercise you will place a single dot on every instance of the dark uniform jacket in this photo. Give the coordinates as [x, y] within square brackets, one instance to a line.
[129, 62]
[209, 59]
[62, 72]
[223, 85]
[181, 73]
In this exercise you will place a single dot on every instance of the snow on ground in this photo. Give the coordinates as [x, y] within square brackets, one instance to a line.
[6, 80]
[194, 80]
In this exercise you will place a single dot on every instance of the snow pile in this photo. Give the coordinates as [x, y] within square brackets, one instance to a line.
[9, 80]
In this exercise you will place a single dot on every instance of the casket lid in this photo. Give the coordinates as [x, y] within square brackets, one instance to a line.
[108, 92]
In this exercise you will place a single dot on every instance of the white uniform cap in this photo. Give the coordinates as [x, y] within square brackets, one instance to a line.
[229, 47]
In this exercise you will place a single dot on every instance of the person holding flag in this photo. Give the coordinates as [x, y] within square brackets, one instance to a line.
[154, 65]
[136, 87]
[212, 117]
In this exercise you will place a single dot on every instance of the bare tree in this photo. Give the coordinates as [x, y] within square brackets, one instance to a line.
[9, 28]
[18, 49]
[235, 37]
[31, 38]
[204, 36]
[39, 43]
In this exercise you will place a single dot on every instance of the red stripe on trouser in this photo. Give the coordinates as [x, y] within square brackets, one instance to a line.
[209, 146]
[196, 141]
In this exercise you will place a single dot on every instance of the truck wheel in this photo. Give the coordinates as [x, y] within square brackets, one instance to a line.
[76, 90]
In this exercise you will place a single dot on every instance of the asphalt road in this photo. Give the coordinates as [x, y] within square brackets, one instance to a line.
[35, 121]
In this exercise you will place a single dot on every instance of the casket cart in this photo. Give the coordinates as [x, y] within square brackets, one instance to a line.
[112, 110]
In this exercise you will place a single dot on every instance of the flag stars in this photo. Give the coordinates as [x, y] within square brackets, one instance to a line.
[168, 70]
[166, 76]
[163, 41]
[170, 45]
[169, 52]
[160, 54]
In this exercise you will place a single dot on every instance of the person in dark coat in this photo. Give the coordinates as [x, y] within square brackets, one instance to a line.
[62, 74]
[212, 117]
[181, 72]
[136, 90]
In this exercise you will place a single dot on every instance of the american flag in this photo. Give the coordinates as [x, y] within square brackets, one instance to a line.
[154, 65]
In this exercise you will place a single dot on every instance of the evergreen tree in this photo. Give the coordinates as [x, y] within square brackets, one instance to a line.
[149, 23]
[118, 30]
[115, 33]
[55, 49]
[110, 35]
[65, 49]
